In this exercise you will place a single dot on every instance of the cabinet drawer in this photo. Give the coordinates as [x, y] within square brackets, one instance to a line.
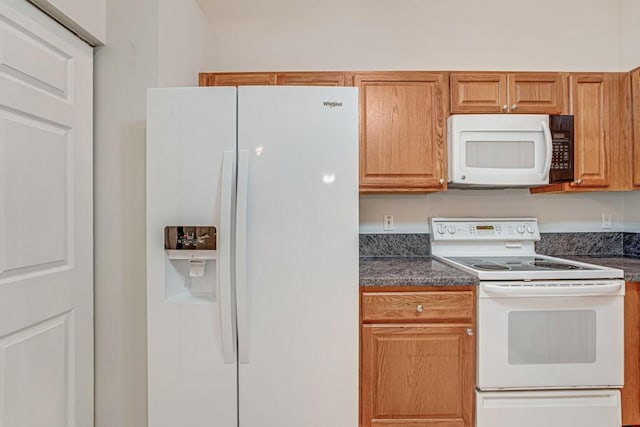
[412, 306]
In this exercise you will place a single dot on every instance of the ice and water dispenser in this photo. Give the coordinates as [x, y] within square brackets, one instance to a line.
[190, 263]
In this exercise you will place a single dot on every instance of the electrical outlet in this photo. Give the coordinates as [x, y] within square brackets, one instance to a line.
[387, 222]
[606, 220]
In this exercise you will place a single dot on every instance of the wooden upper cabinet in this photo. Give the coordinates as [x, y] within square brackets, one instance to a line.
[589, 104]
[530, 93]
[402, 131]
[603, 135]
[314, 79]
[311, 78]
[237, 79]
[635, 90]
[478, 93]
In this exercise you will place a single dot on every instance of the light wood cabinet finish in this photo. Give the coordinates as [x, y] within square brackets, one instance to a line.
[314, 79]
[417, 306]
[589, 105]
[311, 78]
[635, 89]
[479, 93]
[417, 366]
[631, 389]
[402, 131]
[237, 79]
[530, 93]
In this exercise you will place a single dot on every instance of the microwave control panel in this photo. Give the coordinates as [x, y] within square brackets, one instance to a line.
[562, 148]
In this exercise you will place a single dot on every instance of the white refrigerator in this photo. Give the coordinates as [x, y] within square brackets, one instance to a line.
[263, 330]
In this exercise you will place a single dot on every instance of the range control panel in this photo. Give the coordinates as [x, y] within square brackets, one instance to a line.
[485, 229]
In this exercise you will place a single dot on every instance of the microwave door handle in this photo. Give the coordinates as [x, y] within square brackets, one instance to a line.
[549, 143]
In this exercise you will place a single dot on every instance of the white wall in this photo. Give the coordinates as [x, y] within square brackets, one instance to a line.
[85, 17]
[151, 43]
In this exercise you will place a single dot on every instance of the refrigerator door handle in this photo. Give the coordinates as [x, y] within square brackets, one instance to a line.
[224, 259]
[241, 256]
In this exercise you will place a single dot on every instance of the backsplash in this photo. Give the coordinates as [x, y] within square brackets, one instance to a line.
[394, 245]
[555, 244]
[581, 244]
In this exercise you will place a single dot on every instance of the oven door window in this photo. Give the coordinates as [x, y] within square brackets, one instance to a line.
[551, 337]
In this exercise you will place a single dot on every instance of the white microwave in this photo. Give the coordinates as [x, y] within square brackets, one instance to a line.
[499, 150]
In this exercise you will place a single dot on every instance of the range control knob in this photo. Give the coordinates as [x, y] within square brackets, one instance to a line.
[451, 229]
[520, 229]
[440, 229]
[530, 229]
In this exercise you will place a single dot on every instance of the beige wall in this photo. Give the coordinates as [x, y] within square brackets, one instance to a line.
[414, 34]
[86, 17]
[151, 43]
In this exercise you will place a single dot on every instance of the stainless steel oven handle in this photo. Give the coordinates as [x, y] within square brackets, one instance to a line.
[544, 290]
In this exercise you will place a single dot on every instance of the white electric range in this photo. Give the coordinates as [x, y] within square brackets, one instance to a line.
[550, 331]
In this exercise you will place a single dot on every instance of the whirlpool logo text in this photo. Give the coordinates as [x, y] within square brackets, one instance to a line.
[332, 104]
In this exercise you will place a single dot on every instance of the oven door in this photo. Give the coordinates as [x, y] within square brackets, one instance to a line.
[550, 335]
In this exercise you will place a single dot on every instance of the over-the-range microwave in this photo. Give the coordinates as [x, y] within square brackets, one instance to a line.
[509, 150]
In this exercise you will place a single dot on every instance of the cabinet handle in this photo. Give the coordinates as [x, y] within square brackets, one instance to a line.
[469, 331]
[505, 107]
[419, 308]
[441, 181]
[578, 181]
[514, 107]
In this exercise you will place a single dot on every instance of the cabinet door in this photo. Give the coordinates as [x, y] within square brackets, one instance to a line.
[417, 376]
[631, 389]
[478, 93]
[237, 79]
[537, 93]
[590, 105]
[313, 79]
[402, 131]
[635, 90]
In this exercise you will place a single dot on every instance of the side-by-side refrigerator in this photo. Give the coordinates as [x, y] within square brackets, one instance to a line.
[252, 256]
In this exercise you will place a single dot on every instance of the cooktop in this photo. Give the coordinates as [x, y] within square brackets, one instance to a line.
[517, 263]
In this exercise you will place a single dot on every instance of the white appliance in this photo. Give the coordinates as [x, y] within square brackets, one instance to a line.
[550, 339]
[263, 329]
[499, 150]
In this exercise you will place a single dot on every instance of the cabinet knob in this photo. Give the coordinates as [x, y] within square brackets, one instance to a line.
[419, 308]
[578, 181]
[442, 181]
[505, 107]
[514, 107]
[469, 331]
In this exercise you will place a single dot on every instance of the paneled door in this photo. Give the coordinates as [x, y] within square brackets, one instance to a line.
[46, 243]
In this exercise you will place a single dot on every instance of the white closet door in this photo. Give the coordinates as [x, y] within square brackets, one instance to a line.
[46, 230]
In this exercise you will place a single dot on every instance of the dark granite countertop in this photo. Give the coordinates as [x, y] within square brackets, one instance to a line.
[630, 266]
[411, 271]
[426, 271]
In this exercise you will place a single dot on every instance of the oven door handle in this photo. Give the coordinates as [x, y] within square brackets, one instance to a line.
[545, 290]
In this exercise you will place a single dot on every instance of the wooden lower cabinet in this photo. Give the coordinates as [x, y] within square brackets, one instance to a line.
[631, 390]
[418, 373]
